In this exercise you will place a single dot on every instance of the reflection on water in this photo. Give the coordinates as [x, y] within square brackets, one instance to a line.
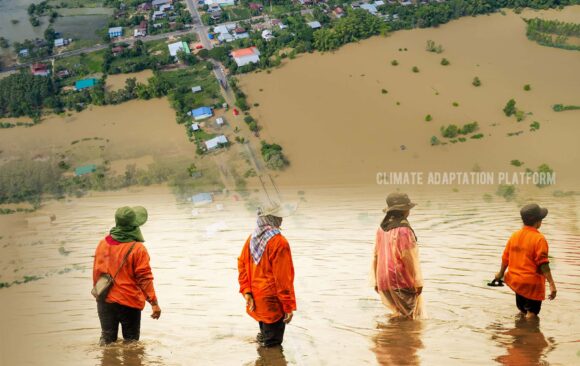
[340, 319]
[524, 344]
[130, 354]
[271, 356]
[397, 342]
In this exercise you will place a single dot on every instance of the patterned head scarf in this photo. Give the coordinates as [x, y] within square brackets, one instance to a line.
[267, 227]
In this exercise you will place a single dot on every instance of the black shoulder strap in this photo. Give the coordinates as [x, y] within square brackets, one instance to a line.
[124, 260]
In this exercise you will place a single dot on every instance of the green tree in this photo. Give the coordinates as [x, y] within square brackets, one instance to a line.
[510, 108]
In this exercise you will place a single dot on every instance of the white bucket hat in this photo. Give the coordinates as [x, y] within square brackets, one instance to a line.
[277, 209]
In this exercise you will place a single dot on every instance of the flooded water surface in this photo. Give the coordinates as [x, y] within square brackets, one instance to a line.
[340, 320]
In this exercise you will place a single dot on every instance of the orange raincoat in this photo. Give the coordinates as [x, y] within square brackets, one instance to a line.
[271, 281]
[134, 283]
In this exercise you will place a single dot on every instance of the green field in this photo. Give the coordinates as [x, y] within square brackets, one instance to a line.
[83, 64]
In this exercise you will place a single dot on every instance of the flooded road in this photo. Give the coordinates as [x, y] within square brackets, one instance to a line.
[340, 320]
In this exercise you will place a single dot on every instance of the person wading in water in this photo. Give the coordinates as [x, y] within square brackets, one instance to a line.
[123, 257]
[266, 276]
[397, 273]
[525, 257]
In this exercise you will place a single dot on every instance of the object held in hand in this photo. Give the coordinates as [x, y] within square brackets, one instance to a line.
[495, 283]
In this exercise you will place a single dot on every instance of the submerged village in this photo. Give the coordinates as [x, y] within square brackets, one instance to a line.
[192, 52]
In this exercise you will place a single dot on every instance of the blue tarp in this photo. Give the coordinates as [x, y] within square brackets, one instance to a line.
[201, 198]
[82, 170]
[85, 83]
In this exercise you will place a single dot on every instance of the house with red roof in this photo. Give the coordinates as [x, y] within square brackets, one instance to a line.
[255, 7]
[338, 12]
[245, 56]
[39, 69]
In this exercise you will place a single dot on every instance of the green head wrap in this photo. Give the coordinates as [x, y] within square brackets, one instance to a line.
[128, 220]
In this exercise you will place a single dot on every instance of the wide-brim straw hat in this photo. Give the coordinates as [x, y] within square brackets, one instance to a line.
[398, 202]
[277, 209]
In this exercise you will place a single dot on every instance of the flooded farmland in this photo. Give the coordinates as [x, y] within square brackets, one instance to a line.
[343, 116]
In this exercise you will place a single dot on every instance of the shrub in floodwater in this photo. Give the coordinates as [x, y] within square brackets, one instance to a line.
[476, 81]
[520, 116]
[455, 104]
[253, 126]
[273, 156]
[462, 139]
[469, 128]
[534, 126]
[516, 162]
[394, 62]
[527, 87]
[415, 69]
[450, 131]
[428, 118]
[384, 91]
[506, 191]
[435, 141]
[433, 47]
[477, 136]
[561, 107]
[510, 108]
[445, 61]
[544, 169]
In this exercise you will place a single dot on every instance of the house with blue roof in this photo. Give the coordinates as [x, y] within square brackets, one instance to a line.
[85, 83]
[115, 32]
[201, 113]
[86, 169]
[201, 199]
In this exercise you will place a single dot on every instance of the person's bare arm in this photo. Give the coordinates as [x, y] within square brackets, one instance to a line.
[501, 272]
[545, 268]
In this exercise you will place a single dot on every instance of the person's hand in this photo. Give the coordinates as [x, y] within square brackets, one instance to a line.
[418, 290]
[250, 302]
[498, 276]
[156, 311]
[553, 292]
[376, 289]
[288, 317]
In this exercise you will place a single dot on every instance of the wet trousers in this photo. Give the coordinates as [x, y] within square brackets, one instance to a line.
[111, 314]
[272, 334]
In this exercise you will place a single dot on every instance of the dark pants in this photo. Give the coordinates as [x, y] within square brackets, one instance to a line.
[272, 334]
[111, 314]
[525, 305]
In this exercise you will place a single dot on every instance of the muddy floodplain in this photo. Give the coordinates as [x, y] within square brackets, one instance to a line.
[344, 116]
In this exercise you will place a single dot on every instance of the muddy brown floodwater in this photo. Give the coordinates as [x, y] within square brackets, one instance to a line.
[52, 320]
[336, 125]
